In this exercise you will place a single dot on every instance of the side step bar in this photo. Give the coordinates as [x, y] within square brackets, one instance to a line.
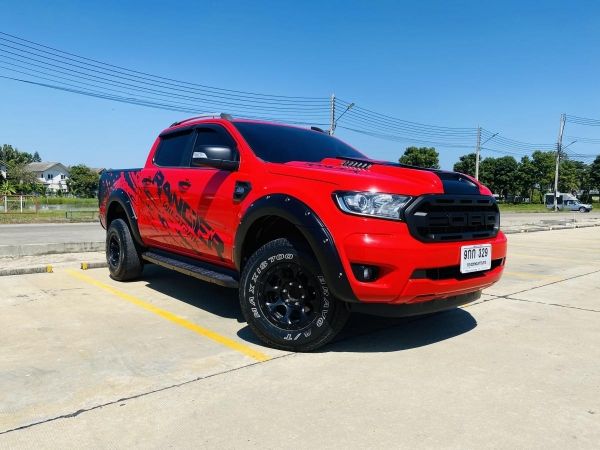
[191, 268]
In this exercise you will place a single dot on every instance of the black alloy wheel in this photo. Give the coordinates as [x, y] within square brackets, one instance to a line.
[285, 298]
[290, 298]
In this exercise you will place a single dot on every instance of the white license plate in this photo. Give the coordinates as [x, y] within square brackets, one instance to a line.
[475, 258]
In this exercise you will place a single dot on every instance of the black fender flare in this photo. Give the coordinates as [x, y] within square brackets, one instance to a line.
[313, 230]
[122, 198]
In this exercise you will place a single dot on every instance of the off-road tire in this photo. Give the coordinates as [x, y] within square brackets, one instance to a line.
[273, 267]
[124, 262]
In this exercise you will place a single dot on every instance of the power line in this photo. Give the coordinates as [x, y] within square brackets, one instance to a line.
[583, 121]
[399, 138]
[45, 66]
[133, 101]
[409, 123]
[585, 140]
[212, 88]
[142, 86]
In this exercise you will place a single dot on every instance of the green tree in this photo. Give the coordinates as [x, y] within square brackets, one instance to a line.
[11, 155]
[487, 167]
[545, 164]
[18, 174]
[569, 178]
[526, 177]
[83, 181]
[499, 174]
[594, 174]
[466, 164]
[505, 170]
[36, 157]
[421, 157]
[7, 188]
[22, 180]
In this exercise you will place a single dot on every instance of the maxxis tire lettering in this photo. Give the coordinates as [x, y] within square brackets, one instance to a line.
[287, 319]
[255, 309]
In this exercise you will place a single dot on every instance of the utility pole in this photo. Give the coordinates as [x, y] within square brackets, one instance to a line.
[477, 151]
[558, 152]
[332, 116]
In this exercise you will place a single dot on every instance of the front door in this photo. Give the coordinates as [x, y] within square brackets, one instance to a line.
[196, 203]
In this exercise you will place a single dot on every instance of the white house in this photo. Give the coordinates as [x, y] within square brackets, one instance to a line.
[2, 171]
[53, 175]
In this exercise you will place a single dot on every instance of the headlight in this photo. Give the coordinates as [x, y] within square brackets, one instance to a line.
[375, 204]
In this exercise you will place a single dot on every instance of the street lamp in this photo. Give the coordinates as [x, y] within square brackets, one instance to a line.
[340, 116]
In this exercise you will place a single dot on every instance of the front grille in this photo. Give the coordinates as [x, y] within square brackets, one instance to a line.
[452, 272]
[447, 218]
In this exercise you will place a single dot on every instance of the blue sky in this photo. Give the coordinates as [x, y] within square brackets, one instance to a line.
[510, 66]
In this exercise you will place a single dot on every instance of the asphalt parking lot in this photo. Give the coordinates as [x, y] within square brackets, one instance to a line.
[168, 362]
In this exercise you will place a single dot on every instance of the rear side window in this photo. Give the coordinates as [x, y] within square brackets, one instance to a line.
[174, 150]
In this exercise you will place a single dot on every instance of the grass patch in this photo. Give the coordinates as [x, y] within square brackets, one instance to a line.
[71, 201]
[66, 216]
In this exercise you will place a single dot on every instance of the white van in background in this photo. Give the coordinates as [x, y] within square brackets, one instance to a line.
[566, 202]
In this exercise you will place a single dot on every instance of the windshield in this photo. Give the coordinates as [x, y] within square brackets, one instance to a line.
[281, 144]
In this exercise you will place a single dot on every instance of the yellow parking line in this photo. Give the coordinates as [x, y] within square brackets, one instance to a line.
[213, 335]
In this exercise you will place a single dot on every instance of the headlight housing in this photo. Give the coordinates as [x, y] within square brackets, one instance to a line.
[372, 204]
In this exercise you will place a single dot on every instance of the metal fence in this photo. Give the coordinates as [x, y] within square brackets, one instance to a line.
[19, 204]
[30, 204]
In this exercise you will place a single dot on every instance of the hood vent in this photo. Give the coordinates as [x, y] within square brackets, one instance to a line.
[357, 164]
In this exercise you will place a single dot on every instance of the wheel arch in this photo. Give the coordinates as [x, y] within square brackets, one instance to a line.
[278, 215]
[119, 206]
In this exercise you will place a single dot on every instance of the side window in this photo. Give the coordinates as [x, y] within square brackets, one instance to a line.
[214, 136]
[173, 150]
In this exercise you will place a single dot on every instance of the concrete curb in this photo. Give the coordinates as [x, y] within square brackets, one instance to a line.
[48, 268]
[26, 271]
[49, 249]
[534, 228]
[93, 265]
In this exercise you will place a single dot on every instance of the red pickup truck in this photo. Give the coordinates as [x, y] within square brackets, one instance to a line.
[305, 226]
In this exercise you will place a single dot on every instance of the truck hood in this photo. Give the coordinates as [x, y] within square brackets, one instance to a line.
[380, 176]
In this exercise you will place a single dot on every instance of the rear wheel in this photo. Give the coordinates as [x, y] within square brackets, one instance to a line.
[286, 301]
[124, 262]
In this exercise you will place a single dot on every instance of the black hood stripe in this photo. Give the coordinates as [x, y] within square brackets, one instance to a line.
[453, 182]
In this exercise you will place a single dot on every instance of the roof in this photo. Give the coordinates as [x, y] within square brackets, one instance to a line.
[192, 121]
[43, 166]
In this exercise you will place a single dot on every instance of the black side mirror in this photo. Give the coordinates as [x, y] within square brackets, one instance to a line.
[219, 157]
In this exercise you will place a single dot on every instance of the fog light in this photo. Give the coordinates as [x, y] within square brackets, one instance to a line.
[365, 272]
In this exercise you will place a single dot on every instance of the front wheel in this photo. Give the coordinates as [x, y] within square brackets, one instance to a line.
[582, 210]
[286, 301]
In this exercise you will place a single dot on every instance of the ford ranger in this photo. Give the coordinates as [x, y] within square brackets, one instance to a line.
[305, 226]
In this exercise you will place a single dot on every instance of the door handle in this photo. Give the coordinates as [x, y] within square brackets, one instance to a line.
[184, 185]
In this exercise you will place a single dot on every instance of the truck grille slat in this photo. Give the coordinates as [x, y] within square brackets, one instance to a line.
[445, 218]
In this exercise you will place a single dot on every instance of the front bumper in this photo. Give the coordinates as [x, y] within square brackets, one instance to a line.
[415, 309]
[411, 271]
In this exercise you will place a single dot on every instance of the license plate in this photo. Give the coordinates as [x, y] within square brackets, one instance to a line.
[475, 258]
